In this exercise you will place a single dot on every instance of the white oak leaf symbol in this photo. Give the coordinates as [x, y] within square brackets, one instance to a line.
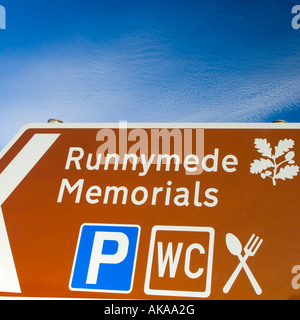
[283, 146]
[260, 165]
[263, 147]
[279, 165]
[288, 172]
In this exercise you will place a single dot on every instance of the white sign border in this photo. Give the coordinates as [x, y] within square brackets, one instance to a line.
[151, 125]
[179, 293]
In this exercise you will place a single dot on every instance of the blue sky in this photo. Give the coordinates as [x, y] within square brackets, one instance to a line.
[148, 61]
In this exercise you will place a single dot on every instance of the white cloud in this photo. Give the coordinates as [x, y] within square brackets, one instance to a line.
[136, 79]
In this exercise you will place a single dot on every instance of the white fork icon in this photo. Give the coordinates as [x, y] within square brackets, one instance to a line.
[235, 248]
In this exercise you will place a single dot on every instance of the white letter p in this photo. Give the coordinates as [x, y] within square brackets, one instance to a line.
[97, 257]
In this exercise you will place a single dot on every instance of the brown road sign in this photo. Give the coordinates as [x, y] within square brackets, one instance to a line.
[151, 211]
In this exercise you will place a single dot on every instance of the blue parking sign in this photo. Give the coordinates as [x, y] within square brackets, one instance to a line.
[105, 258]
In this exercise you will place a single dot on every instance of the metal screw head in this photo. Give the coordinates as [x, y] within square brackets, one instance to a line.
[54, 121]
[279, 121]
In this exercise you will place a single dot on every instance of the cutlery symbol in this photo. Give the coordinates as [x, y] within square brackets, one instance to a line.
[235, 248]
